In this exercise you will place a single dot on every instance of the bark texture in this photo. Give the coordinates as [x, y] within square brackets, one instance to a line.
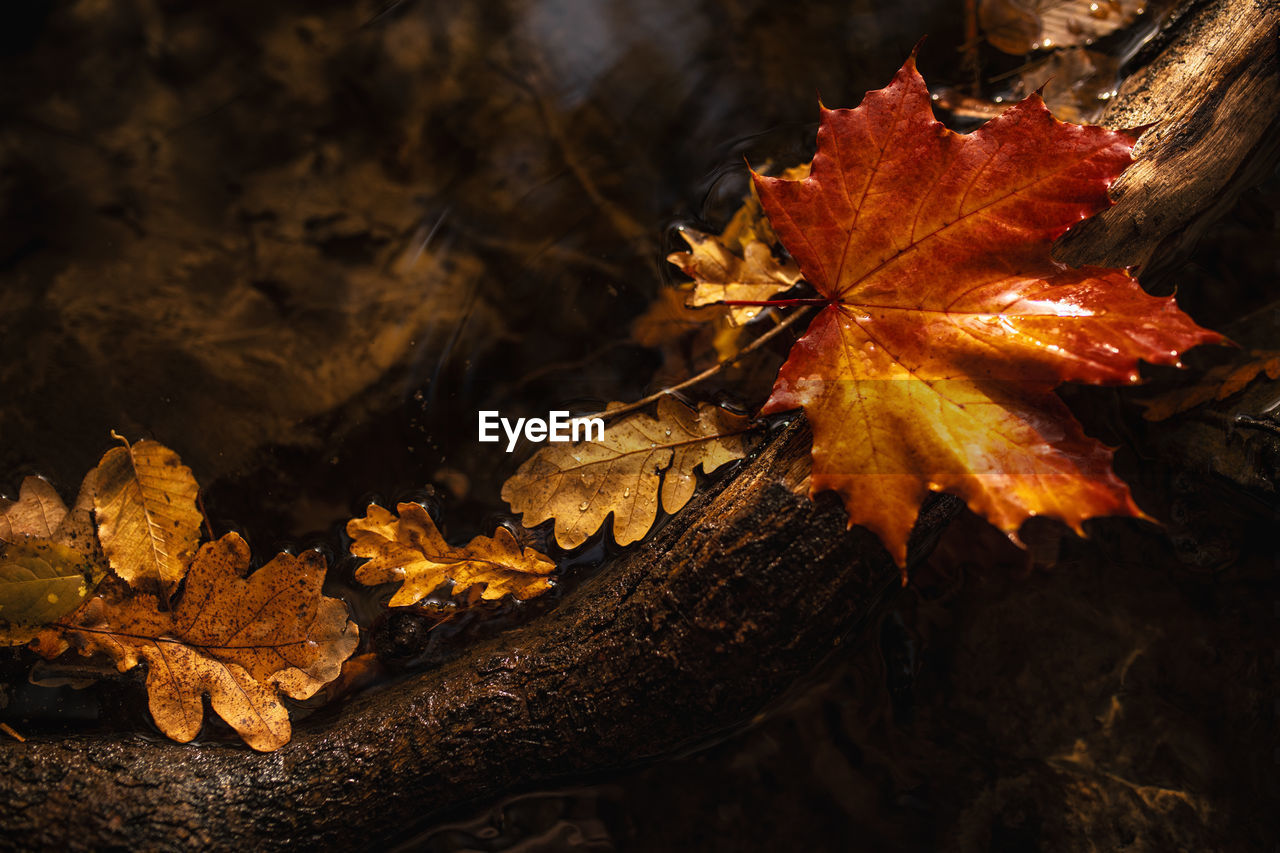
[1209, 98]
[691, 633]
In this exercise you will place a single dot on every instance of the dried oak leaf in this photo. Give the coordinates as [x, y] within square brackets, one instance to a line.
[148, 521]
[409, 548]
[1218, 384]
[739, 264]
[948, 323]
[579, 485]
[241, 641]
[1020, 26]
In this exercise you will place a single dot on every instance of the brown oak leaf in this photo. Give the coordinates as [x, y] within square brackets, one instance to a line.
[240, 641]
[410, 549]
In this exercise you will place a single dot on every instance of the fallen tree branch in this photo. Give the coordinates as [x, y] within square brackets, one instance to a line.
[691, 633]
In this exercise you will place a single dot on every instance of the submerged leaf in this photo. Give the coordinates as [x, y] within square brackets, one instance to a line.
[580, 485]
[148, 521]
[40, 582]
[688, 338]
[240, 641]
[1020, 26]
[948, 322]
[1218, 384]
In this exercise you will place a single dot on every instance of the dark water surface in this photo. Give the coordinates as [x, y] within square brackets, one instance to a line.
[302, 243]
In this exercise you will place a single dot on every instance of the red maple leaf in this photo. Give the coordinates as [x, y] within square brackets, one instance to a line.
[947, 323]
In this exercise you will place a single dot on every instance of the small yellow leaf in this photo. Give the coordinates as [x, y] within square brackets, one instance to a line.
[579, 485]
[410, 549]
[148, 521]
[720, 275]
[240, 641]
[40, 582]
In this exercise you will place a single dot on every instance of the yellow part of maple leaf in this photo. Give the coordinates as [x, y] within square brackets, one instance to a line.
[148, 521]
[241, 641]
[409, 548]
[580, 485]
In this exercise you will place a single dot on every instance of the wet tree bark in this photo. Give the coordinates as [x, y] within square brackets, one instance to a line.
[689, 634]
[685, 636]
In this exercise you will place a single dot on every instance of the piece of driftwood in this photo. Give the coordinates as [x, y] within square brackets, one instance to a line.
[685, 636]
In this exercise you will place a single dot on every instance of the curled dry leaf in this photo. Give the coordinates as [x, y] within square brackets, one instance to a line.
[580, 485]
[1218, 384]
[1020, 26]
[409, 548]
[948, 323]
[148, 521]
[240, 641]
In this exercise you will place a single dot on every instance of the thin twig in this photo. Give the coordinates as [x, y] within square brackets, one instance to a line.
[710, 371]
[971, 61]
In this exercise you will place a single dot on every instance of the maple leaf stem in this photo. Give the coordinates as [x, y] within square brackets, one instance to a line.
[710, 371]
[774, 303]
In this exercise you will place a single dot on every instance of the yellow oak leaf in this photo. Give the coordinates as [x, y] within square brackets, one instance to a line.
[720, 275]
[409, 548]
[241, 641]
[580, 485]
